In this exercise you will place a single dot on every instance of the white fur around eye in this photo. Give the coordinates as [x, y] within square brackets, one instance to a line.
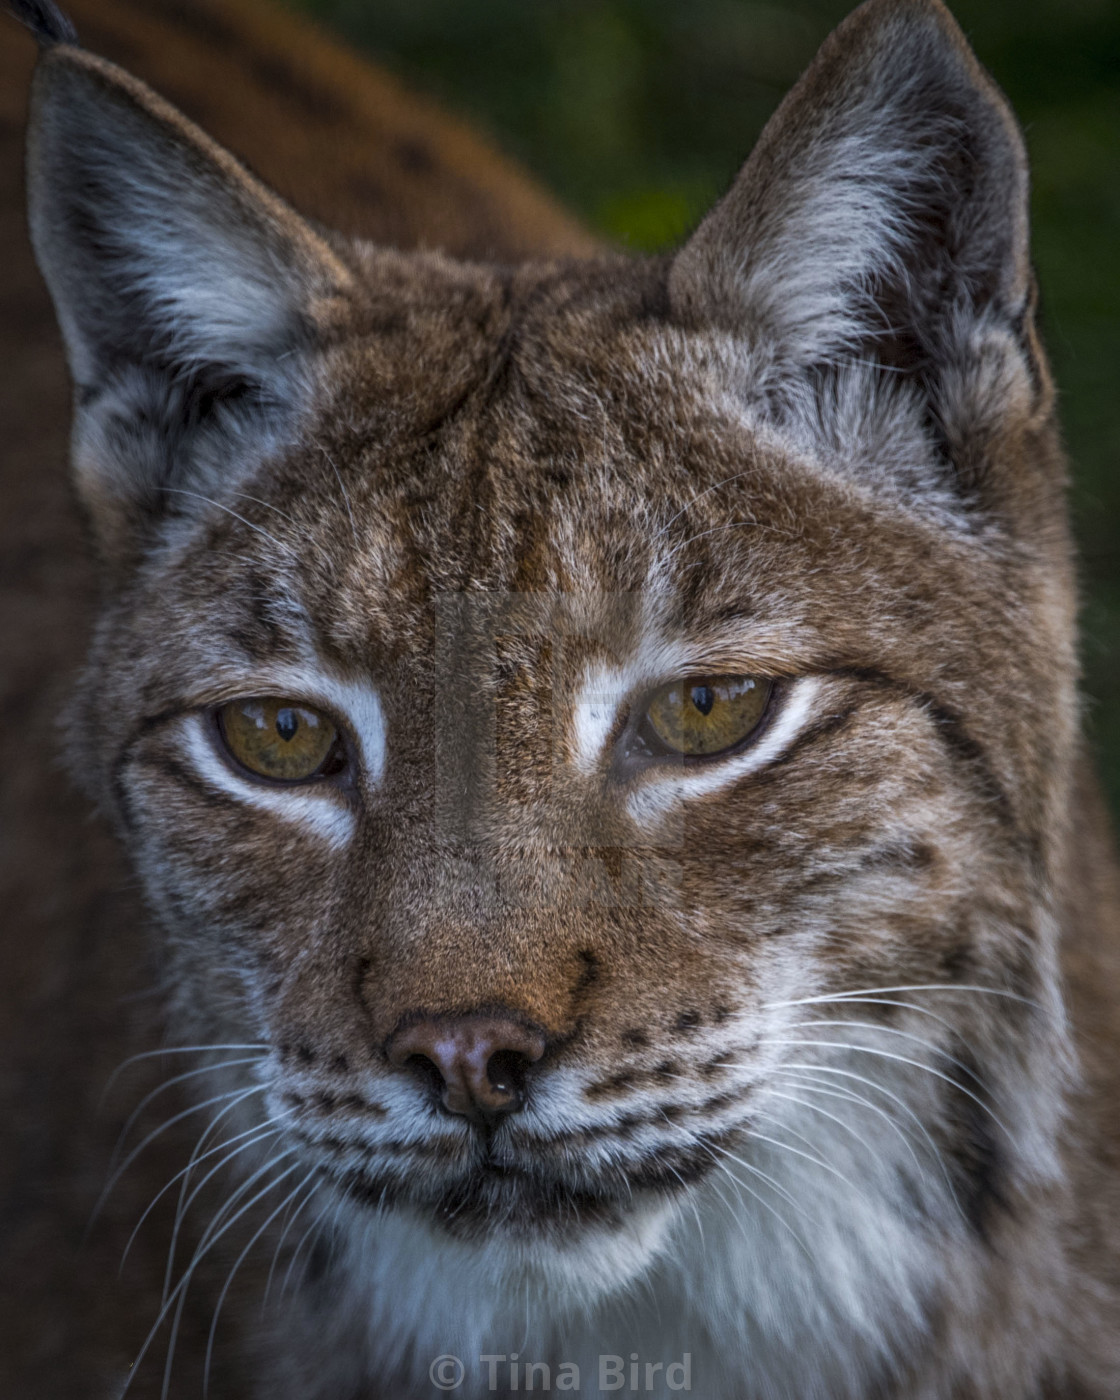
[596, 707]
[662, 789]
[356, 703]
[360, 705]
[321, 809]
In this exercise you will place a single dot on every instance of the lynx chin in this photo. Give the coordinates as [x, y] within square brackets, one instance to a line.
[599, 742]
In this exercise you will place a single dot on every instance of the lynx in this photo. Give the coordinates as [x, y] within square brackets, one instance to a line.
[599, 742]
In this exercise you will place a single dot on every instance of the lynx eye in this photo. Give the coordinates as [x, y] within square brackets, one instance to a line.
[281, 739]
[703, 716]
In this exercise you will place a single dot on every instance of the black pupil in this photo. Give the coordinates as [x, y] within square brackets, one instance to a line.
[287, 723]
[703, 697]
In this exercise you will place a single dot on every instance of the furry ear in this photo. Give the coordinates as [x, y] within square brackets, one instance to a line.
[188, 294]
[882, 216]
[45, 20]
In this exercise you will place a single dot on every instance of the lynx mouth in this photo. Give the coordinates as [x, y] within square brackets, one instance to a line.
[493, 1197]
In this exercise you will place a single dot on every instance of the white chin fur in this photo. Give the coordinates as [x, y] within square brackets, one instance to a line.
[428, 1293]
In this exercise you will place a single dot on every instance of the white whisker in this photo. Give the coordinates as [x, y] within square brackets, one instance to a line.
[179, 1291]
[167, 1083]
[805, 1070]
[749, 523]
[898, 1059]
[268, 505]
[888, 1001]
[878, 1029]
[156, 1132]
[169, 1050]
[345, 494]
[911, 987]
[262, 1133]
[687, 1195]
[743, 1186]
[770, 1181]
[184, 1202]
[699, 496]
[232, 1199]
[846, 1096]
[808, 1156]
[307, 1234]
[291, 1220]
[233, 1272]
[209, 500]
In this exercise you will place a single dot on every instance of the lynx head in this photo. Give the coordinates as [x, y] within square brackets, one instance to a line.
[600, 729]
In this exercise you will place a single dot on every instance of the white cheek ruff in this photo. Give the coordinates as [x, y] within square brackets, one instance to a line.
[320, 810]
[662, 789]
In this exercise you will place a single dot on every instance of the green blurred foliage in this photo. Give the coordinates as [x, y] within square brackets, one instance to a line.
[638, 113]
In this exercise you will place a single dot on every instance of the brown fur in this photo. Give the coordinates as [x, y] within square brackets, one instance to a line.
[355, 150]
[470, 482]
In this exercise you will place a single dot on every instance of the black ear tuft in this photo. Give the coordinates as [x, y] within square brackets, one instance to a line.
[45, 20]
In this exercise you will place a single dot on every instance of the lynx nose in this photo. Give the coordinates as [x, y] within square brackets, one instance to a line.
[476, 1063]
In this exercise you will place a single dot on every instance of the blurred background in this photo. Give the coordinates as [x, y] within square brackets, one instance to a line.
[638, 113]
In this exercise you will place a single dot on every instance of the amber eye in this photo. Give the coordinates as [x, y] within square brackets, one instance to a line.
[281, 739]
[704, 716]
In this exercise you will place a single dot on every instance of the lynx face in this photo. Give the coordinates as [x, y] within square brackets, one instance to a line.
[596, 730]
[482, 587]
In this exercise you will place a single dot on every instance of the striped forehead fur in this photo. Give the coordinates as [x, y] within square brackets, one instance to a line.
[571, 1040]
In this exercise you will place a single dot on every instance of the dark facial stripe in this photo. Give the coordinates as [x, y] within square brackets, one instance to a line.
[974, 1149]
[173, 769]
[822, 729]
[963, 747]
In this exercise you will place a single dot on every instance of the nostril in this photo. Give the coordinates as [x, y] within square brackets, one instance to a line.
[476, 1065]
[507, 1071]
[426, 1071]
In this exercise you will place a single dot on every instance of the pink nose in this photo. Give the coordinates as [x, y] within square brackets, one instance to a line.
[480, 1061]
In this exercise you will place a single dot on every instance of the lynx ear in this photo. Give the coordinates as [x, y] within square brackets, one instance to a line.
[882, 215]
[188, 294]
